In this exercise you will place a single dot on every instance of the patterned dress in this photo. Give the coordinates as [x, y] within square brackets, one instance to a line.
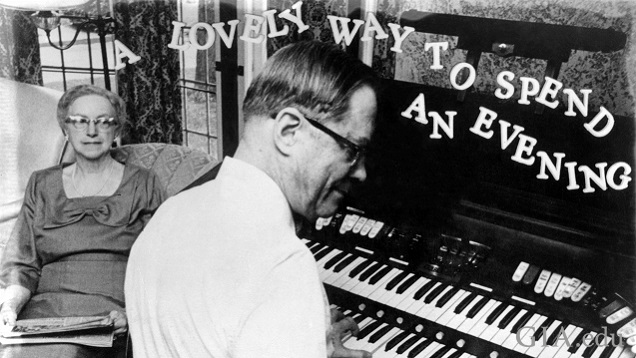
[71, 253]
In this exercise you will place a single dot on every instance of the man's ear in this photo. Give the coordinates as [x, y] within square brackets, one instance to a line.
[286, 129]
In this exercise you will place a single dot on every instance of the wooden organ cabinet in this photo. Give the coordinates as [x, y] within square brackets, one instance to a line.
[451, 249]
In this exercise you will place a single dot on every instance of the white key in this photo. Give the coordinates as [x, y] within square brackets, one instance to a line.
[540, 345]
[513, 339]
[551, 351]
[500, 337]
[379, 287]
[341, 280]
[338, 276]
[458, 319]
[449, 311]
[525, 336]
[403, 301]
[377, 345]
[381, 284]
[565, 345]
[329, 275]
[433, 347]
[430, 312]
[491, 330]
[480, 322]
[417, 305]
[439, 311]
[391, 353]
[386, 295]
[363, 288]
[358, 343]
[469, 323]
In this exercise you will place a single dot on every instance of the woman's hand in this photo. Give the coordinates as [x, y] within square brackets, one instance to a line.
[15, 296]
[9, 315]
[120, 322]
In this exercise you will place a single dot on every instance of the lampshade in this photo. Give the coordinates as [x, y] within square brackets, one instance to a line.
[41, 5]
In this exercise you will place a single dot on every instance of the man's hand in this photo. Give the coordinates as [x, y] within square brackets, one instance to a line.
[120, 322]
[340, 327]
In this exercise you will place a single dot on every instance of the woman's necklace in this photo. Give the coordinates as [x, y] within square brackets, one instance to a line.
[100, 189]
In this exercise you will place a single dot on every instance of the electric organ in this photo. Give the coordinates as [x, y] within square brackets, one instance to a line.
[450, 249]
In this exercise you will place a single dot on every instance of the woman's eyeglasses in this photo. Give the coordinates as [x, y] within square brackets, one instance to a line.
[354, 151]
[102, 123]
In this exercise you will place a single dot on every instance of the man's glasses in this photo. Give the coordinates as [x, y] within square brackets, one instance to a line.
[354, 151]
[102, 123]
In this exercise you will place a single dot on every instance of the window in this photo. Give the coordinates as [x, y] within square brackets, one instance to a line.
[198, 82]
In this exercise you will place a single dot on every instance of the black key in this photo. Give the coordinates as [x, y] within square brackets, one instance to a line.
[434, 293]
[364, 264]
[344, 263]
[457, 354]
[334, 260]
[368, 329]
[424, 289]
[607, 351]
[408, 344]
[378, 275]
[496, 313]
[465, 302]
[310, 244]
[397, 279]
[358, 318]
[587, 353]
[322, 253]
[419, 348]
[316, 248]
[505, 321]
[544, 326]
[521, 322]
[578, 341]
[558, 332]
[380, 333]
[395, 340]
[406, 284]
[477, 307]
[440, 352]
[447, 296]
[369, 271]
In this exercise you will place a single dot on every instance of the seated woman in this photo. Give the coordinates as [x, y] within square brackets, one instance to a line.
[68, 251]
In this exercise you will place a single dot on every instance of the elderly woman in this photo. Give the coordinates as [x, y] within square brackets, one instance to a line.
[67, 254]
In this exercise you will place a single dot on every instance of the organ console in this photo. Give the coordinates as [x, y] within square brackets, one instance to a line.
[443, 296]
[452, 250]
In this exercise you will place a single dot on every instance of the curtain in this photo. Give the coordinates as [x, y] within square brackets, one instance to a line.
[19, 48]
[150, 86]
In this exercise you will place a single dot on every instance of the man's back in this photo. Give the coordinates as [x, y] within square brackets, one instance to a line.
[219, 272]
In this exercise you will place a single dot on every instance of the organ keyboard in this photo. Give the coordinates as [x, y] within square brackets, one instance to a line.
[446, 297]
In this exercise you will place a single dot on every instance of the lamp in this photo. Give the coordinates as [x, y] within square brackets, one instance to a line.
[47, 18]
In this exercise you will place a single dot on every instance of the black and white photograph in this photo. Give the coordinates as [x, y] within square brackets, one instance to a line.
[318, 178]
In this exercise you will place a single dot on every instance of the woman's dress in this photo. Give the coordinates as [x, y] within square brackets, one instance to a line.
[71, 253]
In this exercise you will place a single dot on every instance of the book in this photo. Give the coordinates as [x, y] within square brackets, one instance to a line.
[96, 331]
